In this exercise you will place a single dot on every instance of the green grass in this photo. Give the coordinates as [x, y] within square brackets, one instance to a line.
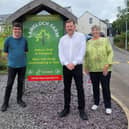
[1, 42]
[3, 72]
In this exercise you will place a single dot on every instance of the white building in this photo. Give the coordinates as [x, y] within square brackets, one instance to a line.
[87, 20]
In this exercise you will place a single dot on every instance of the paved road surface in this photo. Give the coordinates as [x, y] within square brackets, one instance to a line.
[120, 76]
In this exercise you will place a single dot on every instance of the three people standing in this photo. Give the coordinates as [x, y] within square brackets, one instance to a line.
[72, 46]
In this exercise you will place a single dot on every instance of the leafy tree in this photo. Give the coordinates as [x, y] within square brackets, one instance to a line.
[119, 24]
[6, 31]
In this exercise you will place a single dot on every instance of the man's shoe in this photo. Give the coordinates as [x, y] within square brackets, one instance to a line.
[4, 107]
[64, 113]
[83, 115]
[21, 103]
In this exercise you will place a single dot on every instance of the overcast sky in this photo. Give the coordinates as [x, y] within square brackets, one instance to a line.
[104, 9]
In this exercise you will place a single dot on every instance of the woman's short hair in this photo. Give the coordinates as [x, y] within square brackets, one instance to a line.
[95, 27]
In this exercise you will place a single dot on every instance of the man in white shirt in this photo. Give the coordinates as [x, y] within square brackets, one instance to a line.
[71, 53]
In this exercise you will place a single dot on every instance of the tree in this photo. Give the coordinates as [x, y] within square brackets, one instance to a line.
[122, 16]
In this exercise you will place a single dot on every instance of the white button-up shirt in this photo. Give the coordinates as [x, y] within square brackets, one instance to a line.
[72, 49]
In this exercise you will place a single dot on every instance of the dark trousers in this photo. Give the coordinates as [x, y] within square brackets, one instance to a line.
[97, 78]
[12, 72]
[78, 77]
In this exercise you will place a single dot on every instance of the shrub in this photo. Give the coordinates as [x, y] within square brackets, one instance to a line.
[119, 40]
[3, 64]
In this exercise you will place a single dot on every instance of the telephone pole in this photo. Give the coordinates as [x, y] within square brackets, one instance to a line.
[126, 26]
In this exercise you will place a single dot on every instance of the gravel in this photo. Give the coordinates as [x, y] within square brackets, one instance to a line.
[45, 99]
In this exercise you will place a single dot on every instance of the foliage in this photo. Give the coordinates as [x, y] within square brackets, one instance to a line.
[119, 40]
[3, 64]
[119, 25]
[5, 33]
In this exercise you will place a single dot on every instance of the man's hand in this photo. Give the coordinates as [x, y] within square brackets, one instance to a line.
[70, 66]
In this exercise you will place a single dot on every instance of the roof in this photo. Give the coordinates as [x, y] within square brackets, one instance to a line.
[38, 5]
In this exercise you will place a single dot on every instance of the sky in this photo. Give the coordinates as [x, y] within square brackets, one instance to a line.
[103, 9]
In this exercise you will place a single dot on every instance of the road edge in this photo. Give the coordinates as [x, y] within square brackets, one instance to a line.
[123, 106]
[121, 50]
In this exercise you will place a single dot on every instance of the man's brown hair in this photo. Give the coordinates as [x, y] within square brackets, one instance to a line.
[70, 20]
[17, 24]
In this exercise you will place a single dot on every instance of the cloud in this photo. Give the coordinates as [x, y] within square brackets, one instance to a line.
[7, 6]
[104, 9]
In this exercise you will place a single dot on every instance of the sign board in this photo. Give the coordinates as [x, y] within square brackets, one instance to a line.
[43, 34]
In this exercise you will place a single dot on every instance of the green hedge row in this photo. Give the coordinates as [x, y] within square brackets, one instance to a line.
[3, 64]
[119, 40]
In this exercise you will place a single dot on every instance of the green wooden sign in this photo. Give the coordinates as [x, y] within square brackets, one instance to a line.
[43, 34]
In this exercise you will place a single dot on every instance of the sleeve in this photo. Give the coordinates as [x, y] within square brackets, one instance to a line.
[61, 53]
[81, 54]
[85, 64]
[6, 45]
[109, 52]
[26, 46]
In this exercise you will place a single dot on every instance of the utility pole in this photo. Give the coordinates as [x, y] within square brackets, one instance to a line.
[126, 26]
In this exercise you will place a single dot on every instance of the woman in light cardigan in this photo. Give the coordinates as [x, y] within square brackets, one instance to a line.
[98, 63]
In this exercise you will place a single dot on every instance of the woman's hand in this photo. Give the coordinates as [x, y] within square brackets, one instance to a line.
[105, 70]
[86, 71]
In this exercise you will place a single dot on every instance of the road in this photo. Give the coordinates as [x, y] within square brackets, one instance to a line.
[120, 76]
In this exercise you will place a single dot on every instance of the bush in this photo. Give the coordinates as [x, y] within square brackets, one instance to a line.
[3, 64]
[119, 40]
